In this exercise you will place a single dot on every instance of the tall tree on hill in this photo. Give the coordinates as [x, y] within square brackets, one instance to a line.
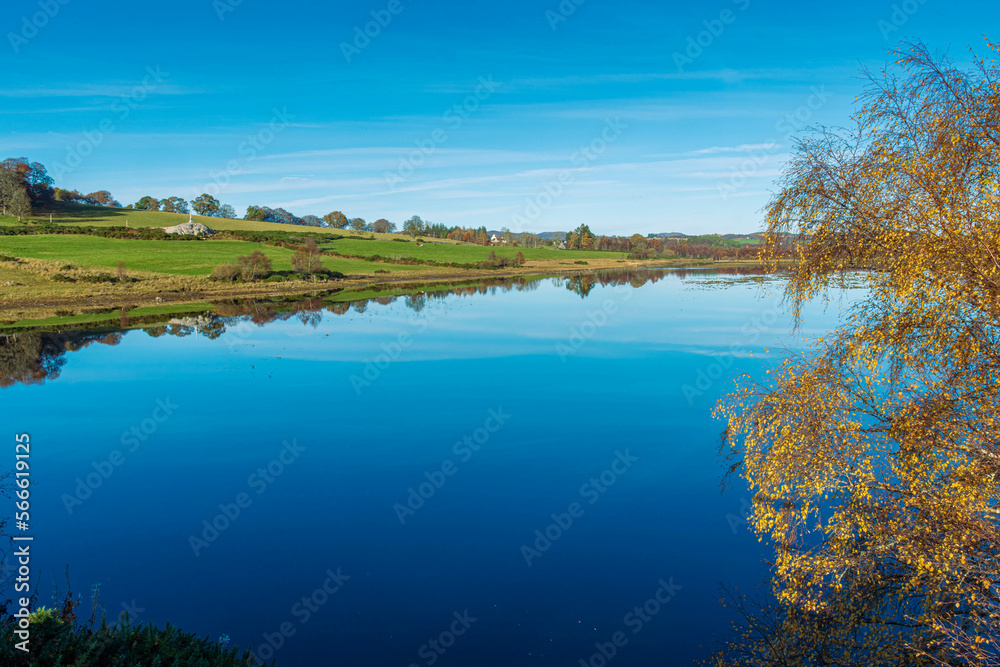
[205, 204]
[383, 226]
[414, 226]
[226, 211]
[359, 224]
[256, 213]
[148, 203]
[284, 217]
[70, 196]
[583, 238]
[174, 205]
[336, 220]
[102, 198]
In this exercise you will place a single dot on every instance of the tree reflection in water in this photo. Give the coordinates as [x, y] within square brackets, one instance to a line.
[32, 357]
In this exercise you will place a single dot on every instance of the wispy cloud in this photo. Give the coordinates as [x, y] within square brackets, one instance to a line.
[713, 150]
[92, 90]
[726, 75]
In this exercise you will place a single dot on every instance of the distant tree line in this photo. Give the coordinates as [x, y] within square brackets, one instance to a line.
[204, 204]
[24, 185]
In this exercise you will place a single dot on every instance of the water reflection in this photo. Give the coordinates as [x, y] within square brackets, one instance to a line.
[31, 357]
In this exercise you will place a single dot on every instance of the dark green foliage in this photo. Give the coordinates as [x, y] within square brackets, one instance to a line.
[291, 240]
[58, 642]
[136, 233]
[580, 261]
[102, 278]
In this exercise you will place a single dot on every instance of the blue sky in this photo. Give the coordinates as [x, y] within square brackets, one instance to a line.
[532, 114]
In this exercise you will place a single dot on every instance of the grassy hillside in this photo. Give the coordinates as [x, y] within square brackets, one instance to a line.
[185, 258]
[198, 258]
[455, 253]
[45, 274]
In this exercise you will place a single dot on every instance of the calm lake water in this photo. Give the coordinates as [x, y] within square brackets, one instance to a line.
[505, 477]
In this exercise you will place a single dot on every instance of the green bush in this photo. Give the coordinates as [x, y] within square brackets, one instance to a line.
[56, 642]
[99, 278]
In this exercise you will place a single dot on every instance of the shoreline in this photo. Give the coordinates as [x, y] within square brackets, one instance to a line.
[167, 292]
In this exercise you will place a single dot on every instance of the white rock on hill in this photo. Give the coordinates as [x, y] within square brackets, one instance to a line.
[190, 229]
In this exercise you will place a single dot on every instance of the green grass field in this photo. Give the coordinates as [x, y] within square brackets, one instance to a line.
[186, 258]
[456, 253]
[200, 257]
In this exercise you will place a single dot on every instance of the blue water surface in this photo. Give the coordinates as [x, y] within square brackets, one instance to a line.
[379, 535]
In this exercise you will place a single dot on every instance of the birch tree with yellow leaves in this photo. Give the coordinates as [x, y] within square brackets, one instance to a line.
[874, 458]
